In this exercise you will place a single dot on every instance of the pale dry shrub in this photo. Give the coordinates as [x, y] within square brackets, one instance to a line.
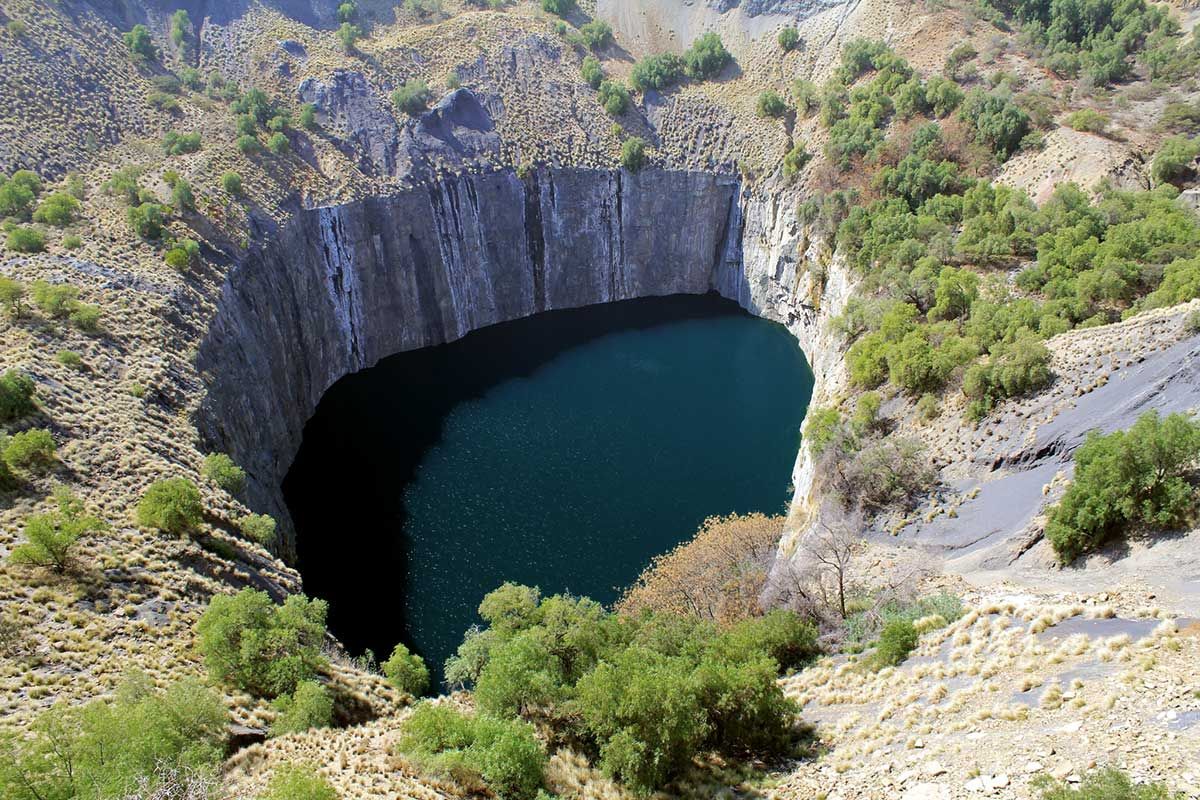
[718, 575]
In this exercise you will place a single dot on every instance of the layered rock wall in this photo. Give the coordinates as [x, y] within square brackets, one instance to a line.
[341, 287]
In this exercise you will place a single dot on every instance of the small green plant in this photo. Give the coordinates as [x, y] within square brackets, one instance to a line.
[502, 755]
[25, 240]
[308, 121]
[706, 57]
[12, 296]
[231, 182]
[1088, 120]
[592, 72]
[72, 241]
[69, 359]
[32, 450]
[770, 105]
[293, 782]
[412, 97]
[55, 300]
[310, 706]
[221, 470]
[258, 528]
[185, 254]
[795, 160]
[897, 639]
[171, 505]
[559, 7]
[278, 143]
[59, 209]
[85, 317]
[406, 671]
[614, 97]
[596, 34]
[1108, 783]
[789, 39]
[348, 34]
[50, 538]
[175, 143]
[248, 145]
[256, 646]
[139, 43]
[16, 396]
[147, 219]
[182, 196]
[633, 154]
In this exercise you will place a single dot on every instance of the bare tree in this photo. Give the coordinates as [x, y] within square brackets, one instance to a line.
[830, 548]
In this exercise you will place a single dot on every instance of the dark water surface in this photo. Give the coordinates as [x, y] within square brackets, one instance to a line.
[563, 451]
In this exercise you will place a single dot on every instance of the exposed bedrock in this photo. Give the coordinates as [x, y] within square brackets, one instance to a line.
[341, 287]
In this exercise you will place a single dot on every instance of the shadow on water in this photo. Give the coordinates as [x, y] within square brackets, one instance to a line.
[351, 485]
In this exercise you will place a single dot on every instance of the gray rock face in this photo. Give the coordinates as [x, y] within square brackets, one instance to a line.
[347, 104]
[754, 8]
[345, 286]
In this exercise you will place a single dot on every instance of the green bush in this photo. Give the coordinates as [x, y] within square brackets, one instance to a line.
[86, 317]
[291, 782]
[795, 160]
[258, 528]
[656, 72]
[12, 296]
[412, 97]
[1088, 120]
[171, 505]
[248, 145]
[72, 242]
[347, 34]
[1141, 476]
[50, 538]
[1172, 162]
[592, 72]
[256, 646]
[1012, 370]
[706, 57]
[503, 755]
[124, 185]
[69, 359]
[789, 39]
[998, 122]
[16, 396]
[309, 706]
[26, 240]
[278, 143]
[771, 105]
[54, 299]
[32, 450]
[1108, 783]
[184, 254]
[821, 428]
[126, 747]
[182, 197]
[559, 7]
[59, 209]
[308, 119]
[231, 182]
[147, 219]
[897, 639]
[647, 693]
[221, 470]
[633, 154]
[406, 671]
[596, 34]
[614, 97]
[175, 143]
[139, 43]
[18, 193]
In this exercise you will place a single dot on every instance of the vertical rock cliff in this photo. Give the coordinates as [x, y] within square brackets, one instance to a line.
[341, 287]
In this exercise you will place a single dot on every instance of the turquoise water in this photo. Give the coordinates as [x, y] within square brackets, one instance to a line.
[563, 451]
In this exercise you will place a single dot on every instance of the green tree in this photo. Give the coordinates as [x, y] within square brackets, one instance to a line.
[16, 198]
[32, 450]
[596, 34]
[171, 505]
[559, 7]
[789, 39]
[25, 240]
[59, 209]
[1140, 476]
[258, 528]
[292, 782]
[147, 219]
[412, 97]
[231, 182]
[1173, 161]
[16, 396]
[51, 538]
[221, 470]
[614, 97]
[256, 646]
[406, 671]
[795, 160]
[175, 143]
[248, 145]
[309, 706]
[633, 154]
[656, 72]
[140, 45]
[348, 34]
[308, 116]
[997, 120]
[278, 143]
[592, 72]
[771, 105]
[181, 27]
[12, 296]
[182, 196]
[706, 57]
